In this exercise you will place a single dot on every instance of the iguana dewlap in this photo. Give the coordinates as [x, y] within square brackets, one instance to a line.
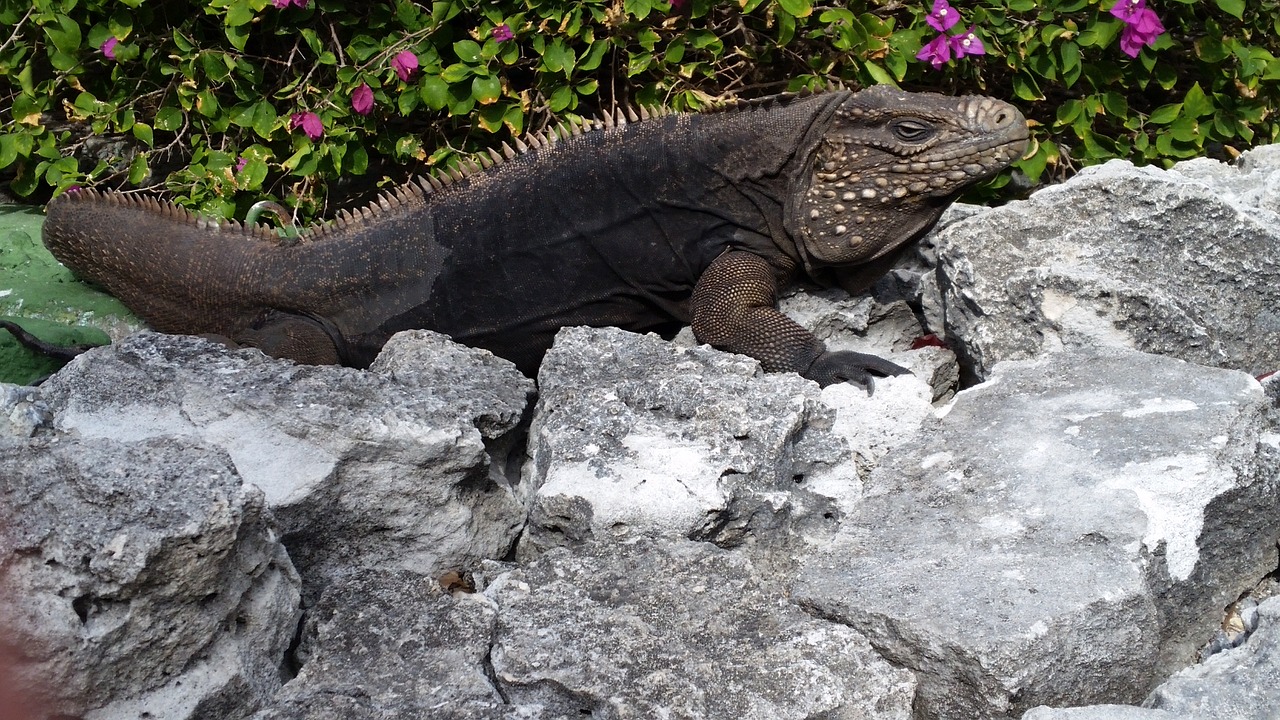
[676, 219]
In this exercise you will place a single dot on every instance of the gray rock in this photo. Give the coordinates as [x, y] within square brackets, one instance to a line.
[1100, 712]
[394, 645]
[140, 579]
[678, 629]
[637, 437]
[1242, 683]
[1067, 533]
[1166, 262]
[362, 469]
[23, 410]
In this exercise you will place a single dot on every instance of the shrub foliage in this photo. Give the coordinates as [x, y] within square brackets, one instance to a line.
[220, 103]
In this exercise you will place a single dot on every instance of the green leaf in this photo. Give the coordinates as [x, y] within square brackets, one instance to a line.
[456, 72]
[796, 8]
[486, 91]
[558, 57]
[1196, 104]
[1165, 114]
[239, 13]
[407, 102]
[142, 131]
[264, 119]
[65, 36]
[639, 8]
[1116, 104]
[1234, 8]
[168, 119]
[138, 170]
[562, 98]
[8, 149]
[434, 91]
[251, 176]
[467, 50]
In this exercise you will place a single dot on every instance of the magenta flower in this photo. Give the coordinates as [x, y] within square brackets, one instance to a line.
[944, 16]
[109, 48]
[1141, 26]
[936, 52]
[309, 122]
[676, 4]
[1127, 10]
[502, 33]
[967, 44]
[282, 4]
[241, 163]
[404, 63]
[362, 99]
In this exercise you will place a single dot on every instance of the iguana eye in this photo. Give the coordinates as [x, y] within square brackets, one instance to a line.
[911, 130]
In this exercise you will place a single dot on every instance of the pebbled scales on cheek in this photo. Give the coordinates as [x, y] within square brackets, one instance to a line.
[870, 190]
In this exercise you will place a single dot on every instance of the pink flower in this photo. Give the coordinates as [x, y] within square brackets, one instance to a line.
[502, 33]
[309, 122]
[677, 4]
[936, 52]
[109, 48]
[1126, 10]
[967, 44]
[282, 4]
[362, 99]
[943, 16]
[1141, 25]
[404, 63]
[241, 163]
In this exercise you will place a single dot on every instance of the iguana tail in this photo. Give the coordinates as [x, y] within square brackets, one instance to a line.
[178, 272]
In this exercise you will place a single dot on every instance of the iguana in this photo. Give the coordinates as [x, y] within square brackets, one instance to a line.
[643, 222]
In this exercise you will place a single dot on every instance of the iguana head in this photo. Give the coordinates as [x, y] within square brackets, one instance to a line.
[889, 162]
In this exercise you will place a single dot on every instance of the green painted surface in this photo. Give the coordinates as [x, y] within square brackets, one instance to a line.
[42, 296]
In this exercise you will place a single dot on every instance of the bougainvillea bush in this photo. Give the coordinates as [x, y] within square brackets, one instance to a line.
[221, 103]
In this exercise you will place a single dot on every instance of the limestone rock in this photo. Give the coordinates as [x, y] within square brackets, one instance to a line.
[1165, 261]
[1242, 684]
[633, 436]
[1067, 533]
[360, 468]
[678, 629]
[140, 579]
[394, 645]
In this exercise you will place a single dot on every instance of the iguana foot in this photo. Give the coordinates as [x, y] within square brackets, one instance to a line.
[833, 367]
[57, 352]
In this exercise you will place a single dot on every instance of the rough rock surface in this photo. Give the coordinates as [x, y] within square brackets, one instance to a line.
[394, 645]
[1242, 684]
[139, 579]
[636, 437]
[1183, 262]
[681, 630]
[1066, 533]
[362, 469]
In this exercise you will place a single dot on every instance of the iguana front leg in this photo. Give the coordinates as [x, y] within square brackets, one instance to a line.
[734, 309]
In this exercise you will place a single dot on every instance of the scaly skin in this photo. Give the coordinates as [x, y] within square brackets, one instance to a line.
[679, 219]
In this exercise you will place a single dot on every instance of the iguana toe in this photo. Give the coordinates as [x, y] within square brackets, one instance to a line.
[860, 369]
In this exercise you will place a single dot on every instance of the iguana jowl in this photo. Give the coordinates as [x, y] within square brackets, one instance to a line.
[677, 219]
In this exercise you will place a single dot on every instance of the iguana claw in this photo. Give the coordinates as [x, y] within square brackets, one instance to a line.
[860, 369]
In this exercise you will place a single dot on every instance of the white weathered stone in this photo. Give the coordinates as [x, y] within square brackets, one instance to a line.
[637, 437]
[361, 468]
[1173, 262]
[1066, 533]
